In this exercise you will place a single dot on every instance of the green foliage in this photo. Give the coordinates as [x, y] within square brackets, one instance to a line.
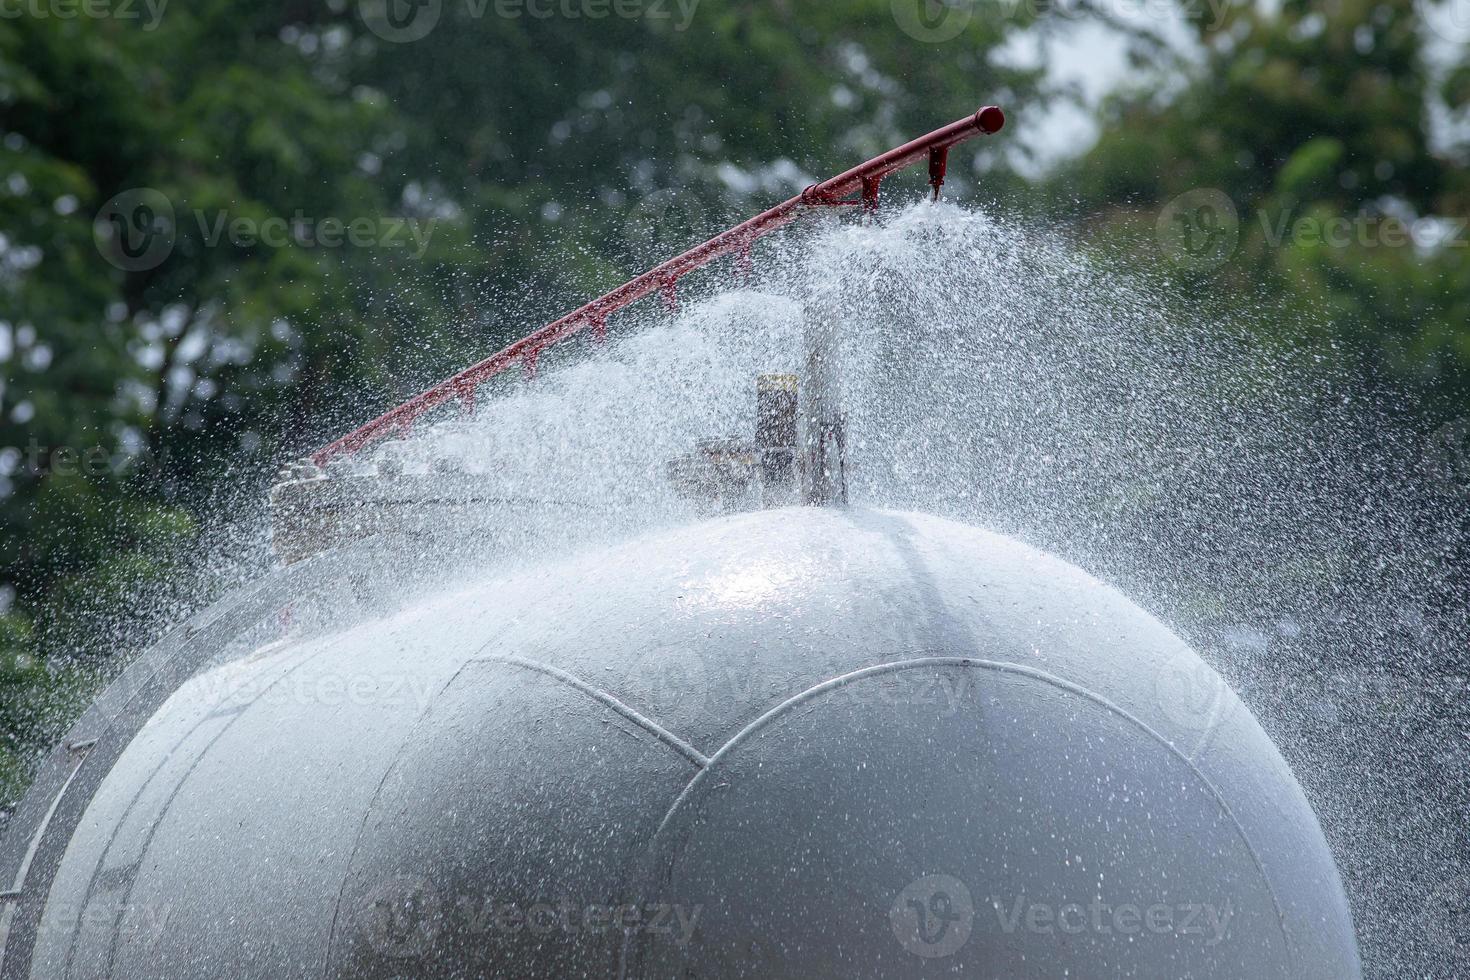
[523, 148]
[545, 159]
[36, 703]
[1315, 122]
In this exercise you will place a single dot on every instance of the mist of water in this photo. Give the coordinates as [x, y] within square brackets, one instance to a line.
[1221, 468]
[1224, 469]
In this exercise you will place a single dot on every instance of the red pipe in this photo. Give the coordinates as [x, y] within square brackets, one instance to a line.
[988, 120]
[861, 180]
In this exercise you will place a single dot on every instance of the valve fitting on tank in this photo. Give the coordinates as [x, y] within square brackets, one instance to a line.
[778, 469]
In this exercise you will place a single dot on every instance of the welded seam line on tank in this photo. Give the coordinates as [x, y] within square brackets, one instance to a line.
[947, 631]
[647, 724]
[945, 624]
[367, 812]
[403, 747]
[139, 686]
[138, 681]
[17, 889]
[168, 802]
[765, 720]
[134, 682]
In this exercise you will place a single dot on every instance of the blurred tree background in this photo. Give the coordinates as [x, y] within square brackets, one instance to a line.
[543, 159]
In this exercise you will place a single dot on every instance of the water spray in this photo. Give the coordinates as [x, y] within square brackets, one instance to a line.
[863, 180]
[326, 498]
[775, 741]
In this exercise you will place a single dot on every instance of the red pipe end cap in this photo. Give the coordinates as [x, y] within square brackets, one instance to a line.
[990, 119]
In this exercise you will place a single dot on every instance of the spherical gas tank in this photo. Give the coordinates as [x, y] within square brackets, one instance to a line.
[791, 743]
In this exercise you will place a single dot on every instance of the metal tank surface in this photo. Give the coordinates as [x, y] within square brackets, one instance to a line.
[803, 742]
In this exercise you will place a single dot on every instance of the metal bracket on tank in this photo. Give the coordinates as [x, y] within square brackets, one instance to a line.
[780, 467]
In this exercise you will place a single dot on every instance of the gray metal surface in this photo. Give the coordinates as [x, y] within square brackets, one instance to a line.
[790, 743]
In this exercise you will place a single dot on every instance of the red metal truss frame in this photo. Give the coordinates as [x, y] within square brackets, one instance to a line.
[862, 180]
